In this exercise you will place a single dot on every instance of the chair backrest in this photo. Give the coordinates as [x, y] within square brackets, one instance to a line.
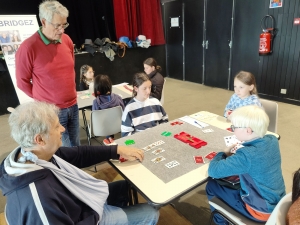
[279, 213]
[5, 215]
[106, 121]
[271, 109]
[162, 99]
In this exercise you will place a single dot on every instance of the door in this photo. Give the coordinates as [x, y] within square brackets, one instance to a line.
[172, 12]
[218, 39]
[193, 27]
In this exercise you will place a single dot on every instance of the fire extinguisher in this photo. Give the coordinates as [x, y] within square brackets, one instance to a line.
[266, 38]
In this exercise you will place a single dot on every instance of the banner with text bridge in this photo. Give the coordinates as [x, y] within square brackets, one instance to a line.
[14, 29]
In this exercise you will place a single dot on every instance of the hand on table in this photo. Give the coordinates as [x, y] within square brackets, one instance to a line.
[130, 153]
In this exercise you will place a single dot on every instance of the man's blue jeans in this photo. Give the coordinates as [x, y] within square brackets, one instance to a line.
[116, 212]
[69, 119]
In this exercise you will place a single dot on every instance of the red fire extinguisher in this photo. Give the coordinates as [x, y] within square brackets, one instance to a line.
[266, 38]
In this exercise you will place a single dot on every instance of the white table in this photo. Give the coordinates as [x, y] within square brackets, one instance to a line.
[85, 98]
[218, 121]
[153, 189]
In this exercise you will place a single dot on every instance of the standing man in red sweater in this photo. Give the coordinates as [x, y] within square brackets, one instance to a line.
[45, 68]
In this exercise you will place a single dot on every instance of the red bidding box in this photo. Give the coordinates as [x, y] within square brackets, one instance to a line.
[192, 141]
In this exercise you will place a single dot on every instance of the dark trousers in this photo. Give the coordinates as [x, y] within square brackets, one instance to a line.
[118, 193]
[230, 196]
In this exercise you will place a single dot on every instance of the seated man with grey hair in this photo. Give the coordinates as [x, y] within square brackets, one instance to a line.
[43, 184]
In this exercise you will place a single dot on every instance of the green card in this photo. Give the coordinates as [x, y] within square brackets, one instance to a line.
[166, 133]
[129, 142]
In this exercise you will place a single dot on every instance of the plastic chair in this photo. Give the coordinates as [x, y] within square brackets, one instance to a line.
[277, 217]
[106, 121]
[5, 215]
[162, 99]
[271, 109]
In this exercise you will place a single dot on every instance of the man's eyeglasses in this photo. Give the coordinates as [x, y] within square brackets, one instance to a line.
[233, 127]
[59, 26]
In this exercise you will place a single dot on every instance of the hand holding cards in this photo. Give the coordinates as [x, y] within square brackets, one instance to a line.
[232, 140]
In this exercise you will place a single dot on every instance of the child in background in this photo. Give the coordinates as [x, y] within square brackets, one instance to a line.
[86, 77]
[245, 92]
[152, 70]
[258, 165]
[105, 99]
[142, 111]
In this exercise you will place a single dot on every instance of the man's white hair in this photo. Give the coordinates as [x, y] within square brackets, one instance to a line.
[48, 8]
[30, 119]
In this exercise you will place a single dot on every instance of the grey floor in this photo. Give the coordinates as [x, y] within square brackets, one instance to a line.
[184, 98]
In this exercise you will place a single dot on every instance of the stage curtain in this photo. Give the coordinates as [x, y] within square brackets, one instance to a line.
[139, 17]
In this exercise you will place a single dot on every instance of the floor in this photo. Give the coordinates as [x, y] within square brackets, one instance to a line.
[184, 98]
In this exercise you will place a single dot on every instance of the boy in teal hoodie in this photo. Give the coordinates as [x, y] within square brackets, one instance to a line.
[258, 165]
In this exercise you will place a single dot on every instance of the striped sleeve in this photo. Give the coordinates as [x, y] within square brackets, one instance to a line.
[139, 116]
[126, 126]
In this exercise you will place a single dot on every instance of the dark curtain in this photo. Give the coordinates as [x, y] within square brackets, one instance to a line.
[139, 17]
[89, 19]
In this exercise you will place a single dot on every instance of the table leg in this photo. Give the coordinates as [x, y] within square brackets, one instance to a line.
[132, 194]
[86, 126]
[129, 194]
[135, 196]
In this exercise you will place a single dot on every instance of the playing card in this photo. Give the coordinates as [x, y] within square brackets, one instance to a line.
[147, 148]
[211, 155]
[85, 97]
[235, 148]
[231, 140]
[153, 145]
[158, 159]
[160, 142]
[208, 130]
[198, 159]
[172, 164]
[158, 151]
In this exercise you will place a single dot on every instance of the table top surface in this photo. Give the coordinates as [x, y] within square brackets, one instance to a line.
[85, 98]
[217, 121]
[150, 186]
[154, 189]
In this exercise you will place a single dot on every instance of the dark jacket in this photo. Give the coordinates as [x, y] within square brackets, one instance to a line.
[107, 101]
[83, 86]
[59, 204]
[157, 84]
